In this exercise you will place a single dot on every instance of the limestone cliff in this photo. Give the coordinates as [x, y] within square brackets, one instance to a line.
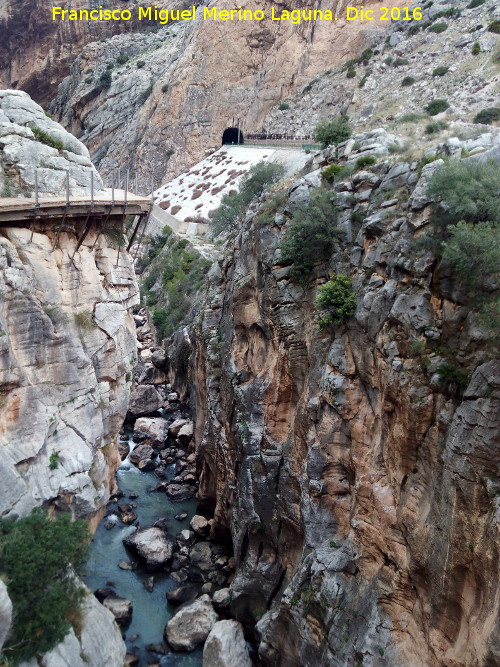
[359, 489]
[67, 342]
[195, 80]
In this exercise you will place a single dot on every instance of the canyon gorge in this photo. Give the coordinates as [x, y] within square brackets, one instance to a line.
[283, 434]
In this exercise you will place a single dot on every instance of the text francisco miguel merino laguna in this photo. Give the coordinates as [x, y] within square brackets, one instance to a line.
[164, 16]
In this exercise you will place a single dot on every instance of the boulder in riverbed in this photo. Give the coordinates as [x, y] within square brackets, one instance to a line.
[182, 594]
[179, 492]
[153, 547]
[191, 625]
[144, 400]
[151, 430]
[142, 457]
[185, 433]
[199, 524]
[176, 426]
[121, 608]
[225, 646]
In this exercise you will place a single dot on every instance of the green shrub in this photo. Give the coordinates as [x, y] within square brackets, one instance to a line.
[351, 73]
[54, 459]
[312, 234]
[329, 132]
[337, 298]
[122, 59]
[363, 80]
[141, 63]
[438, 27]
[469, 190]
[466, 232]
[436, 127]
[45, 138]
[388, 60]
[89, 79]
[411, 117]
[440, 71]
[487, 116]
[105, 79]
[328, 174]
[283, 106]
[494, 27]
[437, 106]
[399, 62]
[475, 3]
[35, 559]
[365, 161]
[408, 81]
[164, 88]
[476, 49]
[109, 66]
[365, 56]
[453, 380]
[261, 176]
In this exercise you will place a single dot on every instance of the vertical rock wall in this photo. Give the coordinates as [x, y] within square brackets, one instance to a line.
[360, 492]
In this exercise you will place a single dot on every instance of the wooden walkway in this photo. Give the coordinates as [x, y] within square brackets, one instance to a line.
[106, 203]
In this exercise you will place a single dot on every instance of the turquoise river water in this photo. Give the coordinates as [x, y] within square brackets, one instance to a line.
[151, 611]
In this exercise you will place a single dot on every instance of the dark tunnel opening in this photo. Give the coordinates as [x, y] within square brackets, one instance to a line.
[232, 135]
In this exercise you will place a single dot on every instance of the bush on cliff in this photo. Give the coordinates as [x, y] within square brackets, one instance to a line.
[312, 234]
[329, 132]
[466, 231]
[337, 300]
[37, 557]
[258, 178]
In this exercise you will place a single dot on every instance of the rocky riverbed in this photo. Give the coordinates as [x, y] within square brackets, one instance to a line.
[152, 563]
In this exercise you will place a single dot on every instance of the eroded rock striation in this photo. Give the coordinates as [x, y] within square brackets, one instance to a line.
[67, 343]
[358, 488]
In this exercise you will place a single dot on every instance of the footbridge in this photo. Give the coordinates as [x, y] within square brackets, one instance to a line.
[104, 211]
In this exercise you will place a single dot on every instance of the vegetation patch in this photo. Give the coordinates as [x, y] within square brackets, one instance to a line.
[407, 81]
[440, 71]
[437, 106]
[487, 116]
[45, 138]
[337, 301]
[312, 234]
[334, 131]
[438, 27]
[36, 555]
[259, 178]
[436, 127]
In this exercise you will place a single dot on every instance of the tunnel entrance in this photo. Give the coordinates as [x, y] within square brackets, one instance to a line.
[232, 135]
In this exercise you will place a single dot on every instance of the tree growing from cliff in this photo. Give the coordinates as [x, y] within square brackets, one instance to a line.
[312, 234]
[334, 131]
[466, 231]
[258, 178]
[337, 300]
[38, 558]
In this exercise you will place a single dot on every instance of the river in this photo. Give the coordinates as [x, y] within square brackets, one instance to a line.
[151, 611]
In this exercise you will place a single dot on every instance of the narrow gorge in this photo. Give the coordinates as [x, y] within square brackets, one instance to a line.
[250, 386]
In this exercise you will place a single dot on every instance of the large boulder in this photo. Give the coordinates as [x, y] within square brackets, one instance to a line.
[225, 646]
[142, 457]
[185, 433]
[182, 594]
[121, 608]
[201, 556]
[144, 400]
[152, 546]
[179, 492]
[191, 625]
[151, 430]
[176, 426]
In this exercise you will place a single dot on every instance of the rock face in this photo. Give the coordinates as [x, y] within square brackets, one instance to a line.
[268, 59]
[225, 646]
[67, 342]
[99, 642]
[358, 490]
[191, 624]
[5, 613]
[152, 546]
